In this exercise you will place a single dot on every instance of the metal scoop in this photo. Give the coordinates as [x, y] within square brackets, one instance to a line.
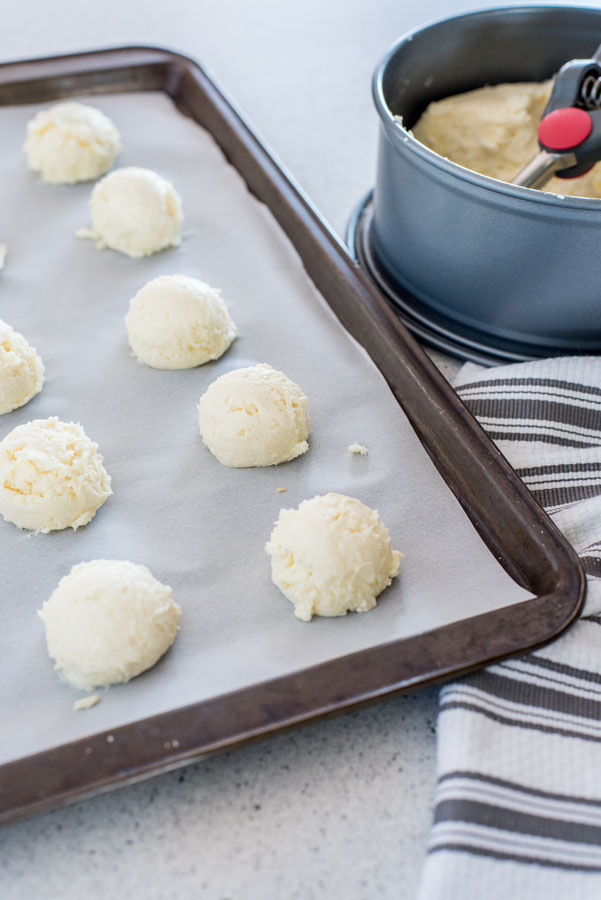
[569, 133]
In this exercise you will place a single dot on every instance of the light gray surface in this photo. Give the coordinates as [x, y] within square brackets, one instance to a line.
[345, 804]
[200, 526]
[325, 812]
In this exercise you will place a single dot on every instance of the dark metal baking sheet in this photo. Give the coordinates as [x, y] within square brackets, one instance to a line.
[507, 518]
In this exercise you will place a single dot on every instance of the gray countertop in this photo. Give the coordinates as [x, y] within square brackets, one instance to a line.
[342, 807]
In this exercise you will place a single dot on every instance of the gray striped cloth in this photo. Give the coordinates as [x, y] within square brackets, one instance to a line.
[518, 800]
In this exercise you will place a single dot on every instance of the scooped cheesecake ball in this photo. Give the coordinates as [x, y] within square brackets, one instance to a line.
[51, 476]
[176, 322]
[21, 370]
[107, 621]
[71, 142]
[331, 556]
[254, 417]
[136, 212]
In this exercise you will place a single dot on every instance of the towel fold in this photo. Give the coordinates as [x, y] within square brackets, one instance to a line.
[518, 800]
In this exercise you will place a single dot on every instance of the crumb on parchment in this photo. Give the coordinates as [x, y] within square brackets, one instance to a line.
[86, 702]
[358, 448]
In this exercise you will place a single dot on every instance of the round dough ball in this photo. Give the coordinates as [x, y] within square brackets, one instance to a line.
[51, 476]
[107, 621]
[331, 556]
[176, 322]
[71, 142]
[21, 370]
[254, 417]
[136, 212]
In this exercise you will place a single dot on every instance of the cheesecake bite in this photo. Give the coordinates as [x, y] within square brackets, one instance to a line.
[178, 322]
[71, 142]
[21, 370]
[331, 556]
[51, 476]
[107, 621]
[136, 212]
[254, 417]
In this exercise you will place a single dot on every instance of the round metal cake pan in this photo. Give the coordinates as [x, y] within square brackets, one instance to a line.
[517, 268]
[433, 330]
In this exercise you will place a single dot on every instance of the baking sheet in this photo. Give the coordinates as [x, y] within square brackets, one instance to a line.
[199, 526]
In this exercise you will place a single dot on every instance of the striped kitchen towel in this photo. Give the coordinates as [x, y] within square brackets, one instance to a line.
[518, 800]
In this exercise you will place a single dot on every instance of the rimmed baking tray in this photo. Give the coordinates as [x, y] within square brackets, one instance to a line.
[511, 524]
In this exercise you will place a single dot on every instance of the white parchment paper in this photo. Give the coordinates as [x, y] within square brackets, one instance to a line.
[201, 527]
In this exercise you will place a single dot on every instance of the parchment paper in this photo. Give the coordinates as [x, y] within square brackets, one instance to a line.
[201, 527]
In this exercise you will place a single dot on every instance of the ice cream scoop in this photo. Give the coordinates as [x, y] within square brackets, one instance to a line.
[71, 142]
[254, 417]
[107, 621]
[177, 322]
[569, 134]
[51, 476]
[21, 370]
[331, 556]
